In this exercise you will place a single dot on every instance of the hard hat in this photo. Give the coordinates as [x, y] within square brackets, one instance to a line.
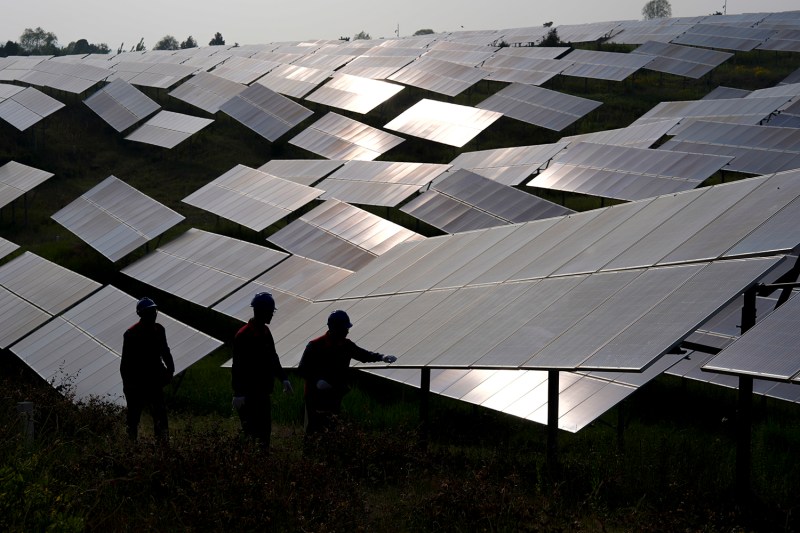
[145, 303]
[263, 300]
[339, 320]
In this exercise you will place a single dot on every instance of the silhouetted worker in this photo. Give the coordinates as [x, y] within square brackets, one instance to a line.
[146, 367]
[255, 366]
[325, 365]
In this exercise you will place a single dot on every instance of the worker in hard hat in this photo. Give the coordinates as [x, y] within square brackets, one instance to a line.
[255, 366]
[146, 367]
[324, 366]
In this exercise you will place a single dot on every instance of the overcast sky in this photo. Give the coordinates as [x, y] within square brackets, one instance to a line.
[262, 21]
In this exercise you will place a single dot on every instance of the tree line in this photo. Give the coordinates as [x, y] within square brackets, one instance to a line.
[37, 42]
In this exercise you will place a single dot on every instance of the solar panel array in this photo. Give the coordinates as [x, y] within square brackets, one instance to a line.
[641, 136]
[203, 267]
[337, 137]
[465, 201]
[207, 91]
[539, 106]
[626, 173]
[442, 122]
[24, 108]
[724, 36]
[303, 171]
[359, 95]
[265, 112]
[383, 183]
[612, 66]
[121, 104]
[17, 179]
[115, 219]
[439, 76]
[168, 129]
[509, 166]
[251, 197]
[294, 80]
[682, 60]
[755, 149]
[341, 235]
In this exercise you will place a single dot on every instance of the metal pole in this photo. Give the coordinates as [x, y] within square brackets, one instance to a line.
[25, 410]
[424, 406]
[552, 419]
[744, 419]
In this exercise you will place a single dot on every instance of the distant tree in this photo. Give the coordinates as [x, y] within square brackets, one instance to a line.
[10, 49]
[83, 47]
[657, 9]
[168, 42]
[548, 24]
[716, 13]
[189, 43]
[551, 39]
[345, 39]
[38, 42]
[426, 31]
[217, 40]
[139, 47]
[362, 36]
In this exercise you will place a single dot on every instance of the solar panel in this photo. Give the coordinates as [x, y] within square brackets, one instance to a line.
[266, 112]
[382, 183]
[626, 173]
[684, 309]
[337, 137]
[207, 91]
[439, 76]
[734, 110]
[359, 95]
[724, 36]
[243, 70]
[465, 201]
[27, 107]
[17, 179]
[203, 267]
[642, 31]
[542, 107]
[168, 129]
[6, 247]
[450, 124]
[643, 136]
[509, 166]
[376, 67]
[47, 285]
[121, 105]
[294, 80]
[302, 171]
[681, 60]
[723, 93]
[115, 219]
[341, 235]
[20, 317]
[756, 149]
[252, 198]
[612, 66]
[83, 346]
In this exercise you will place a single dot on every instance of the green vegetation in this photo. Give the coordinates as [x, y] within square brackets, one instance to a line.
[481, 471]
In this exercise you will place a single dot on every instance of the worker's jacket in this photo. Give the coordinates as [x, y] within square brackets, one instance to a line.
[255, 362]
[146, 359]
[328, 358]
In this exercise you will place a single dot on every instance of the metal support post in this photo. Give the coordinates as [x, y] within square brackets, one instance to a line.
[552, 419]
[424, 406]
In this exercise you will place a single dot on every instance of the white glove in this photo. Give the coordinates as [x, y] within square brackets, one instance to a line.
[238, 402]
[323, 385]
[389, 359]
[287, 386]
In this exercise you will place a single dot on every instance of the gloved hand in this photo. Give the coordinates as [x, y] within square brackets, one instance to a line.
[238, 402]
[388, 359]
[287, 386]
[323, 385]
